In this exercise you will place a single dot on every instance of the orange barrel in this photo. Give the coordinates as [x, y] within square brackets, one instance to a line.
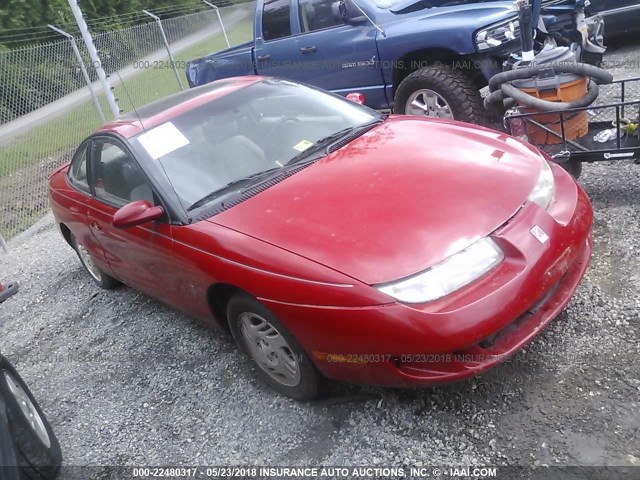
[576, 124]
[554, 87]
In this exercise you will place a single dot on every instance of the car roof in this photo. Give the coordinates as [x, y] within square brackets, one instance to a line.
[163, 110]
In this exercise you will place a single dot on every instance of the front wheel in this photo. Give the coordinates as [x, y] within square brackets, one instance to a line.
[440, 92]
[574, 167]
[36, 447]
[281, 362]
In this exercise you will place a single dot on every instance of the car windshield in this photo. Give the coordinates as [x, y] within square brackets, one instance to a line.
[232, 141]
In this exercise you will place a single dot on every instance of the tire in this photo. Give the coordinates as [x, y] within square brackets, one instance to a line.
[574, 168]
[300, 379]
[453, 86]
[98, 276]
[37, 449]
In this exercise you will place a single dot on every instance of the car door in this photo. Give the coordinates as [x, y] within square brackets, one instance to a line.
[140, 256]
[337, 56]
[76, 199]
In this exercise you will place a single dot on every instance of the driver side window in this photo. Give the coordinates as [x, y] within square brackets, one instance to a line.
[117, 178]
[318, 14]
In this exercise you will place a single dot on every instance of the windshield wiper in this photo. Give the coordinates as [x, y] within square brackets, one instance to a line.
[250, 179]
[330, 140]
[307, 155]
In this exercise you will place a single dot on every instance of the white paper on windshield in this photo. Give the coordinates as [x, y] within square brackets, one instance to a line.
[302, 145]
[162, 140]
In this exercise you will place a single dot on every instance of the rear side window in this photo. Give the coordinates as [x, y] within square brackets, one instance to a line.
[275, 19]
[78, 170]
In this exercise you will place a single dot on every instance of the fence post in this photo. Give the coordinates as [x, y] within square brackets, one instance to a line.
[166, 44]
[3, 244]
[224, 32]
[85, 74]
[93, 53]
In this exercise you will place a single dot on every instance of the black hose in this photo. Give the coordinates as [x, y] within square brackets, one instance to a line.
[545, 105]
[504, 94]
[582, 69]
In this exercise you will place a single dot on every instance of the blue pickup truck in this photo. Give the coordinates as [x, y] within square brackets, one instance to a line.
[423, 57]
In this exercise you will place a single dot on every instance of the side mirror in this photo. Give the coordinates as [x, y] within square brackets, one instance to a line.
[136, 213]
[356, 97]
[353, 14]
[344, 11]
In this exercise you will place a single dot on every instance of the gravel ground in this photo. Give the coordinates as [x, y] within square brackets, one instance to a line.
[125, 380]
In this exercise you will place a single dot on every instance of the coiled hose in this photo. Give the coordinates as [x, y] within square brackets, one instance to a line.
[504, 94]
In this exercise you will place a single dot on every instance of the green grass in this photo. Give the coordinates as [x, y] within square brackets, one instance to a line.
[64, 133]
[152, 84]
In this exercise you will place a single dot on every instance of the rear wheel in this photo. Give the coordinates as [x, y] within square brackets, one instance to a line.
[440, 92]
[97, 274]
[279, 360]
[37, 449]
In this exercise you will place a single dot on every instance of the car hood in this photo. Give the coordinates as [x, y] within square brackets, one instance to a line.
[400, 198]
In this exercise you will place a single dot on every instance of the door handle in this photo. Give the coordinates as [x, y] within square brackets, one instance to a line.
[308, 49]
[96, 225]
[263, 58]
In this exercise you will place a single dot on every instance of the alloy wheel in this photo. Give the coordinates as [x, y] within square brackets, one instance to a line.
[427, 103]
[88, 262]
[27, 408]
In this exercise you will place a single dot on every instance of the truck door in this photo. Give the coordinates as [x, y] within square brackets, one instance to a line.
[337, 56]
[325, 51]
[275, 48]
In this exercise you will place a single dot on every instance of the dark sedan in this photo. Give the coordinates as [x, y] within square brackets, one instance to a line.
[621, 17]
[28, 446]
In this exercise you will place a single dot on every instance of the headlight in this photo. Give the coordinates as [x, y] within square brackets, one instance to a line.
[497, 34]
[542, 192]
[447, 276]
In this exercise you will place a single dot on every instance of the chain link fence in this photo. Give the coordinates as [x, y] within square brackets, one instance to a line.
[46, 108]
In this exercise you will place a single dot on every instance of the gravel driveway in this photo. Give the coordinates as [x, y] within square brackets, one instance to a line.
[125, 380]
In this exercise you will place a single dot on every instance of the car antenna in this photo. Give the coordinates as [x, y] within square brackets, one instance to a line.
[124, 87]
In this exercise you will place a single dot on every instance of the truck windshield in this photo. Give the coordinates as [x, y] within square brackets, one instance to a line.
[231, 141]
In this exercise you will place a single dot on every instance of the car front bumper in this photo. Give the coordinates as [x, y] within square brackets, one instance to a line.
[471, 330]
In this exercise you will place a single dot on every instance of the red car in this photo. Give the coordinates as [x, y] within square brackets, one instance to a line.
[331, 240]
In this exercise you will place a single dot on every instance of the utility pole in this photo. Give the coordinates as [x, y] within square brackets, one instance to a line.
[93, 53]
[3, 245]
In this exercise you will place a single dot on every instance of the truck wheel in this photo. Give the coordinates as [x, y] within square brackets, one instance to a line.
[440, 92]
[36, 447]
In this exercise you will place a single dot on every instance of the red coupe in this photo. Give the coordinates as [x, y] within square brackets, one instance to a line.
[331, 240]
